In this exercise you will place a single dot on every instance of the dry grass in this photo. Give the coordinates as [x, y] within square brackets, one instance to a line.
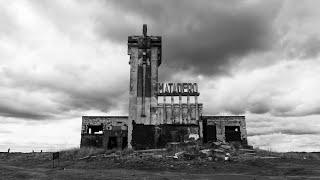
[289, 155]
[38, 165]
[76, 153]
[301, 155]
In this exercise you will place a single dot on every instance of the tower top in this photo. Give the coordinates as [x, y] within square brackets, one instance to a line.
[145, 42]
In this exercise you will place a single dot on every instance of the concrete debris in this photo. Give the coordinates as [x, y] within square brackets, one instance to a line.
[189, 156]
[226, 147]
[194, 136]
[218, 150]
[270, 157]
[227, 157]
[206, 152]
[157, 156]
[246, 150]
[111, 156]
[86, 157]
[215, 151]
[218, 143]
[150, 150]
[178, 155]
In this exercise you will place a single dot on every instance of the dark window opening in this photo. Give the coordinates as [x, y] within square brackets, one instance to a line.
[124, 142]
[95, 129]
[232, 133]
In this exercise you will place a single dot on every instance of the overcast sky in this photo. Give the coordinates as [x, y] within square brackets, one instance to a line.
[63, 59]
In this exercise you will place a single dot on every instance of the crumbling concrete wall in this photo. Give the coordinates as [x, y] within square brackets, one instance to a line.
[115, 138]
[175, 133]
[108, 123]
[157, 136]
[92, 140]
[221, 122]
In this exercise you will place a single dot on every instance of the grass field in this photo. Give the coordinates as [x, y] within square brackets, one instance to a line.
[91, 163]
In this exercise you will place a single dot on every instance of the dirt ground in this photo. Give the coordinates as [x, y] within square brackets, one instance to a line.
[39, 166]
[14, 172]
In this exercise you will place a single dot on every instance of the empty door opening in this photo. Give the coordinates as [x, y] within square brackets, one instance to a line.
[112, 143]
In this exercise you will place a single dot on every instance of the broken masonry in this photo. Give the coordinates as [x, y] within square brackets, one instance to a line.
[159, 113]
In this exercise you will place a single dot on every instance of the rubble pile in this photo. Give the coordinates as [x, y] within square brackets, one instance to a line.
[214, 151]
[189, 150]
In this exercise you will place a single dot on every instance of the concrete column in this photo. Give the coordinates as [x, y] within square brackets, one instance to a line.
[143, 103]
[154, 84]
[133, 52]
[243, 129]
[189, 111]
[180, 109]
[200, 123]
[164, 110]
[197, 109]
[172, 109]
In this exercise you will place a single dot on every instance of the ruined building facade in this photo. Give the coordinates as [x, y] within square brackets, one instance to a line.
[158, 112]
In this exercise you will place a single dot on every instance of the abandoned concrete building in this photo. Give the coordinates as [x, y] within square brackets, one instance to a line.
[158, 112]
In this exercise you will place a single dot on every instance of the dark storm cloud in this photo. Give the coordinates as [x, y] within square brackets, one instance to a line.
[259, 108]
[204, 36]
[58, 93]
[25, 114]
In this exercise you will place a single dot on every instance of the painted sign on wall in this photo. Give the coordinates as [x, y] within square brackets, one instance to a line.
[178, 89]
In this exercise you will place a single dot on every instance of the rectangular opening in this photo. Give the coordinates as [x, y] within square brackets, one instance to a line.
[124, 142]
[232, 133]
[112, 143]
[95, 129]
[143, 136]
[209, 132]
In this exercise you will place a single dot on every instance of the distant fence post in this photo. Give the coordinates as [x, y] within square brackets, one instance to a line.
[55, 155]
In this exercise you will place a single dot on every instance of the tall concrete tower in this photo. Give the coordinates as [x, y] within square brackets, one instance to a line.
[145, 58]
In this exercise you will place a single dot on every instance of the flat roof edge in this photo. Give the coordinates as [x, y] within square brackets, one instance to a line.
[223, 116]
[106, 116]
